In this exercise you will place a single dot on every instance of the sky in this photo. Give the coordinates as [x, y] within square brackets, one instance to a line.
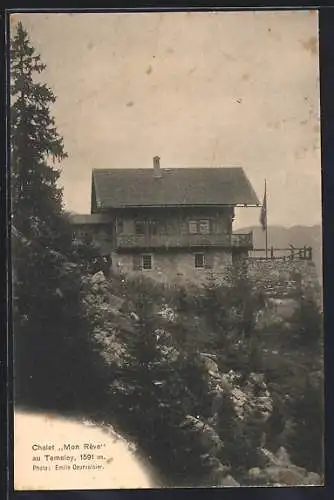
[197, 89]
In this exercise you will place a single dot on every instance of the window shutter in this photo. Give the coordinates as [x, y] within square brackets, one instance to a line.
[208, 261]
[193, 228]
[204, 226]
[136, 262]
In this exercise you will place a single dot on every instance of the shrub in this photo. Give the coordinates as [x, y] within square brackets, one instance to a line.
[306, 442]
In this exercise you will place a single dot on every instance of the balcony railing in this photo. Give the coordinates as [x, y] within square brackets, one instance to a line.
[242, 240]
[128, 241]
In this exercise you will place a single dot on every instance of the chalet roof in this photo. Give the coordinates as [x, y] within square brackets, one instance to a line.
[87, 219]
[115, 188]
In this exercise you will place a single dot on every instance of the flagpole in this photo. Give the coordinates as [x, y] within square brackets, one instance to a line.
[266, 220]
[263, 217]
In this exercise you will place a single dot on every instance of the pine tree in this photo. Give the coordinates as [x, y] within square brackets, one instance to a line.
[35, 147]
[51, 348]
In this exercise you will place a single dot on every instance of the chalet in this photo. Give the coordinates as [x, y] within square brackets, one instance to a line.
[168, 222]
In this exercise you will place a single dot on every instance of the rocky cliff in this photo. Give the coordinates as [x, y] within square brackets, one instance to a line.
[237, 409]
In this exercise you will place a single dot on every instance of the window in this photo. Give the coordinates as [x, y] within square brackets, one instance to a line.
[192, 226]
[199, 226]
[204, 226]
[147, 261]
[199, 260]
[148, 227]
[141, 262]
[139, 227]
[82, 234]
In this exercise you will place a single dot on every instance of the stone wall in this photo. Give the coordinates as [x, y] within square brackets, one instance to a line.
[285, 279]
[278, 279]
[176, 266]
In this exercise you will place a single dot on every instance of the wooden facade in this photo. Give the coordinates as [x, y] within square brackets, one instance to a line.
[168, 236]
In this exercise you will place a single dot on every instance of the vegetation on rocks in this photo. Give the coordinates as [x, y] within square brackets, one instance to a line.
[185, 384]
[212, 387]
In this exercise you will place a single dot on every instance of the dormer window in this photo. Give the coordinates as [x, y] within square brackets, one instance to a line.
[201, 226]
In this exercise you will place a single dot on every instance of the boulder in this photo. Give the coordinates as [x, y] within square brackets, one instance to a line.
[283, 306]
[218, 470]
[290, 477]
[207, 435]
[257, 477]
[114, 311]
[99, 283]
[167, 313]
[255, 474]
[313, 479]
[268, 457]
[283, 456]
[299, 470]
[127, 306]
[98, 278]
[287, 476]
[115, 302]
[134, 316]
[210, 365]
[124, 323]
[229, 481]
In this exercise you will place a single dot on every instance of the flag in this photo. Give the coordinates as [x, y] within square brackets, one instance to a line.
[263, 215]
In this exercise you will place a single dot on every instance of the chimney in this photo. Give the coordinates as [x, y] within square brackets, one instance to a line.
[156, 167]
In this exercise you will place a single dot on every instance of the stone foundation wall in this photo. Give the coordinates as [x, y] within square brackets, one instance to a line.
[176, 266]
[277, 279]
[283, 279]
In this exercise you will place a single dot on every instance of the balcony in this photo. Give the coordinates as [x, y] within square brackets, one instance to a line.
[128, 241]
[242, 240]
